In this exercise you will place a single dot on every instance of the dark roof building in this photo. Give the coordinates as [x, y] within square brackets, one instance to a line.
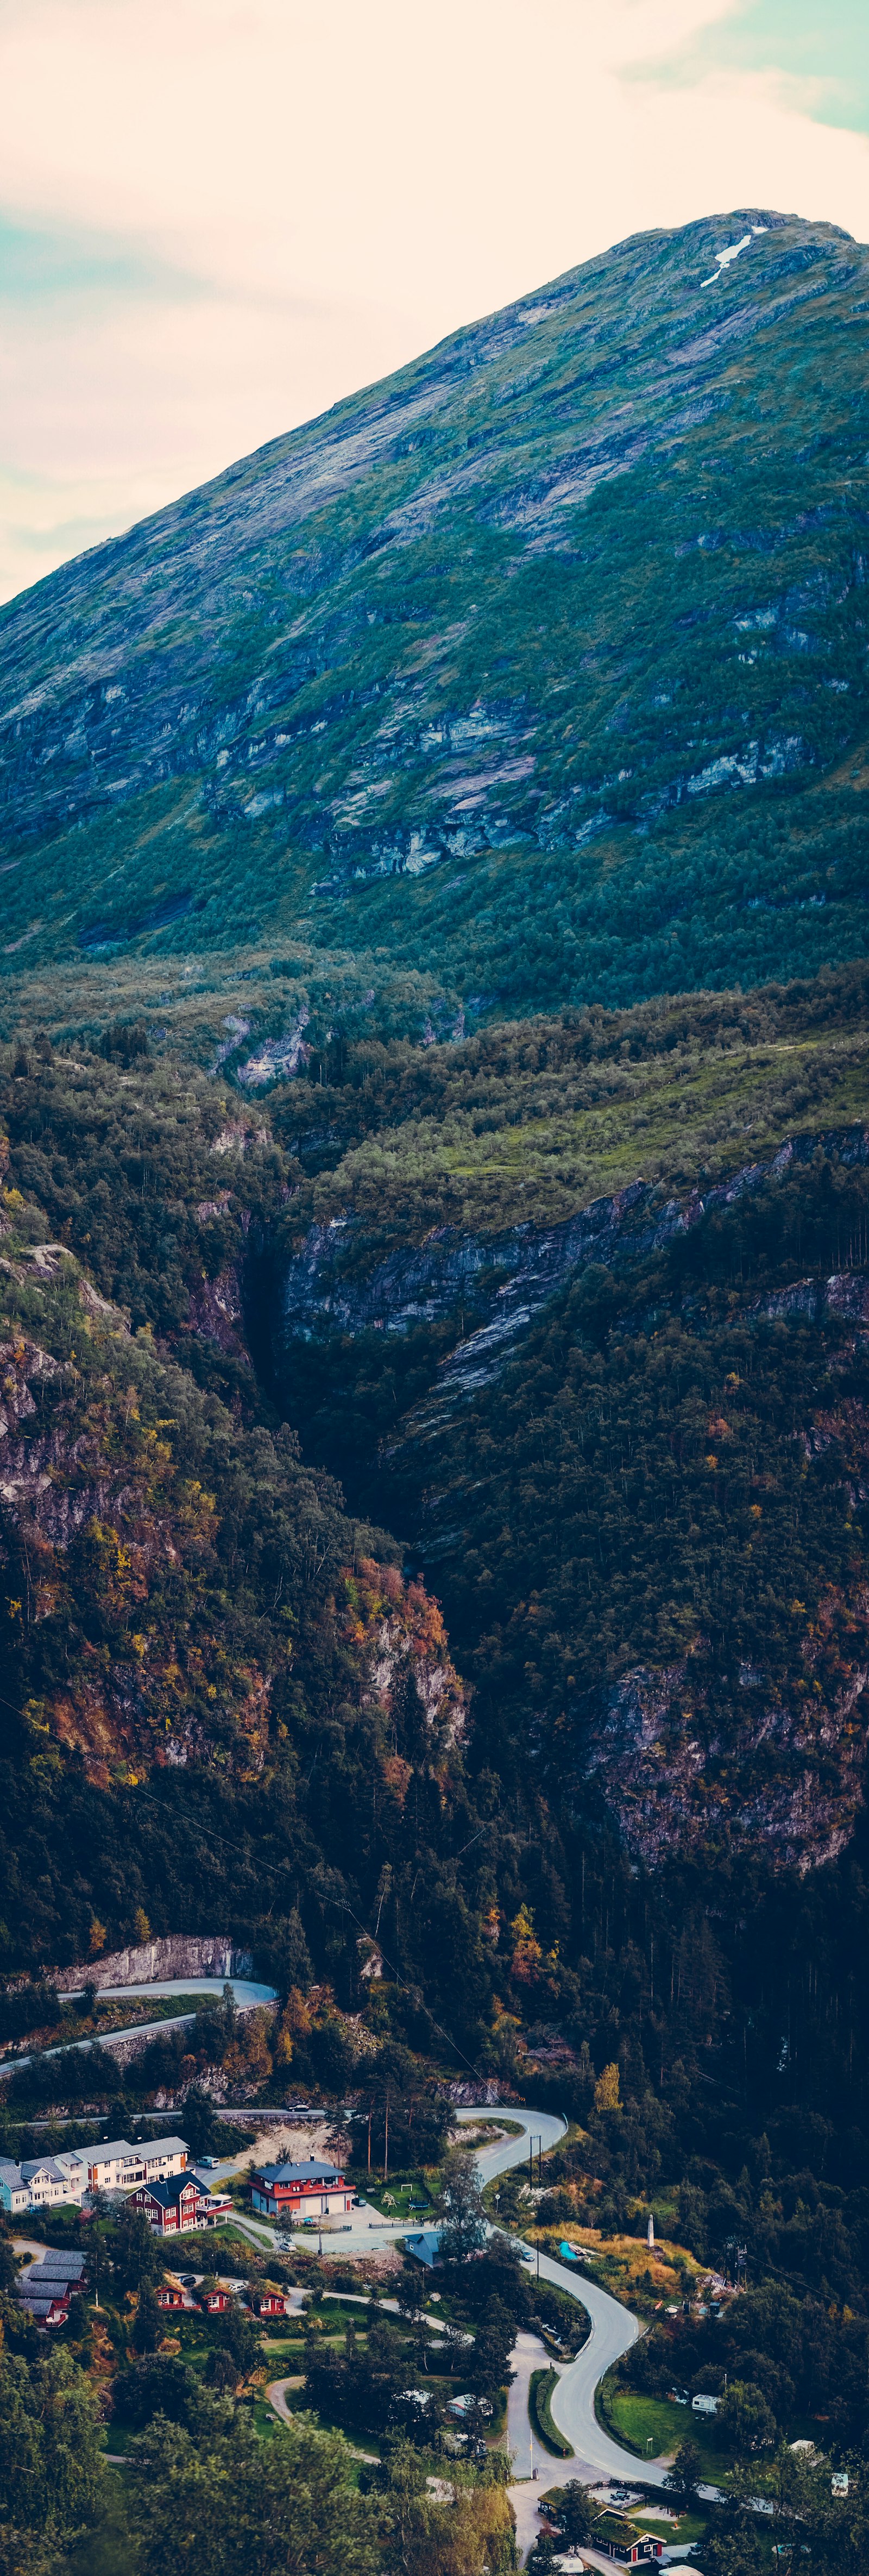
[426, 2246]
[57, 2266]
[310, 2190]
[182, 2202]
[46, 2289]
[619, 2539]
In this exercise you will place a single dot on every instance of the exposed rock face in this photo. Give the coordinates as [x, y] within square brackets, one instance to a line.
[175, 1954]
[789, 1779]
[396, 1631]
[504, 1280]
[215, 1309]
[480, 2092]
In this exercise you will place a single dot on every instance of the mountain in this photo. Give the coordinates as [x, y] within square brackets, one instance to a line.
[434, 1277]
[537, 672]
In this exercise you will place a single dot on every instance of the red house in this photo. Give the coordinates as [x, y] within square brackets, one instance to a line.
[216, 2302]
[170, 2298]
[268, 2303]
[300, 2191]
[172, 2206]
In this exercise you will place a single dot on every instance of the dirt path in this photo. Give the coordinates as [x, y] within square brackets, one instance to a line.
[277, 2398]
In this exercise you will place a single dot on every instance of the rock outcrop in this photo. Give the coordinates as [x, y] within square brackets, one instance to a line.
[787, 1777]
[173, 1954]
[498, 1283]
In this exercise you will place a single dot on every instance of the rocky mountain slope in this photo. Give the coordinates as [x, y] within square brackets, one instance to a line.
[542, 663]
[643, 1498]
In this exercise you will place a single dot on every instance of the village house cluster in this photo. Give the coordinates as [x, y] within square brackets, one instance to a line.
[45, 2182]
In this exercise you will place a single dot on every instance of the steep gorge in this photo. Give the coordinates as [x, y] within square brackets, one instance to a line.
[385, 1243]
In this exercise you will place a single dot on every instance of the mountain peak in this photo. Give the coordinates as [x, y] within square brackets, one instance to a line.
[577, 579]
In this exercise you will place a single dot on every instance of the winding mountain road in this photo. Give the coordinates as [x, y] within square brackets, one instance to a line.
[613, 2328]
[246, 1992]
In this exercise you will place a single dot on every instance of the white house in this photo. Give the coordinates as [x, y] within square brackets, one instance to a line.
[115, 2165]
[162, 2157]
[14, 2194]
[74, 2164]
[43, 2182]
[46, 2182]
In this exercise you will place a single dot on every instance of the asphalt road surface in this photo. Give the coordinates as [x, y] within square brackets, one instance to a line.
[613, 2328]
[245, 1991]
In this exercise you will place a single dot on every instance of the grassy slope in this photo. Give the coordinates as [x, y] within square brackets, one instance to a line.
[669, 1094]
[569, 562]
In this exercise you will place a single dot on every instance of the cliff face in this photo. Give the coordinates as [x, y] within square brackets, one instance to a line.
[129, 1650]
[396, 1632]
[785, 1774]
[654, 1428]
[499, 1283]
[176, 1954]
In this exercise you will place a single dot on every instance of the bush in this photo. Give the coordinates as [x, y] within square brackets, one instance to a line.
[540, 2390]
[744, 2422]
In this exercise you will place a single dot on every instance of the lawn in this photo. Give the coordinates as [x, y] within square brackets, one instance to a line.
[638, 2421]
[689, 2527]
[645, 2278]
[398, 2200]
[265, 2422]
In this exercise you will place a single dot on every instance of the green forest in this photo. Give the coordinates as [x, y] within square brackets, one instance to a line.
[551, 1696]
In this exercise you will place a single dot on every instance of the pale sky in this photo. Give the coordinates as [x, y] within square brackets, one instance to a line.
[219, 216]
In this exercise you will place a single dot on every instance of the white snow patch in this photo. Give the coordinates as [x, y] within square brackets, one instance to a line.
[724, 257]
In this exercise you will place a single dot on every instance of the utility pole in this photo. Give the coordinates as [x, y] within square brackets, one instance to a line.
[386, 2145]
[370, 2111]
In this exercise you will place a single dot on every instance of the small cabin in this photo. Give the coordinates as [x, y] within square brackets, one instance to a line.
[270, 2303]
[619, 2539]
[217, 2302]
[169, 2297]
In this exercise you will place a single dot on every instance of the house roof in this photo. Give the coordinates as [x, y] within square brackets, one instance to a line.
[426, 2244]
[107, 2149]
[170, 2191]
[10, 2174]
[42, 2165]
[162, 2147]
[59, 2265]
[311, 2172]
